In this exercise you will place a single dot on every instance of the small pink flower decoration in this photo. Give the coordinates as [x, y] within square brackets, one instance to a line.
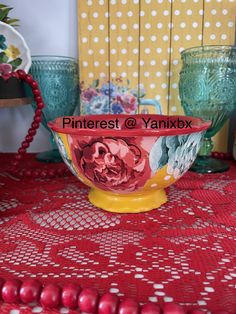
[5, 68]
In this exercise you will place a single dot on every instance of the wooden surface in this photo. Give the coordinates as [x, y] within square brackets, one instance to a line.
[14, 102]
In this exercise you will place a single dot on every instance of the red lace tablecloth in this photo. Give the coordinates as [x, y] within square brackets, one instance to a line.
[184, 252]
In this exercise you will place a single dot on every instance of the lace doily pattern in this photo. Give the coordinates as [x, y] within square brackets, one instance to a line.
[183, 252]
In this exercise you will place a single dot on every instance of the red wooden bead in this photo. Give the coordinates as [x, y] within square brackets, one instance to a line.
[34, 84]
[173, 308]
[108, 304]
[29, 138]
[38, 99]
[10, 291]
[21, 150]
[150, 308]
[40, 105]
[25, 144]
[35, 173]
[69, 297]
[21, 74]
[88, 300]
[29, 78]
[36, 92]
[38, 112]
[37, 119]
[18, 156]
[128, 306]
[50, 296]
[197, 311]
[43, 174]
[2, 281]
[51, 173]
[28, 173]
[30, 291]
[14, 74]
[35, 125]
[32, 132]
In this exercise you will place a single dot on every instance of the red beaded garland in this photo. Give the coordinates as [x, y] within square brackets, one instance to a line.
[108, 304]
[2, 281]
[69, 296]
[88, 300]
[50, 296]
[30, 291]
[128, 306]
[150, 308]
[10, 291]
[173, 308]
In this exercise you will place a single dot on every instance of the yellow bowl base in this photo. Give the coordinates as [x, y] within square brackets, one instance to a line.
[127, 203]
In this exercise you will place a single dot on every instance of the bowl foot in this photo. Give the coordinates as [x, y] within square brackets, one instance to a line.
[127, 203]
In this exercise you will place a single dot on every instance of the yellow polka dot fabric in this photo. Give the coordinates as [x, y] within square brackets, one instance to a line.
[137, 44]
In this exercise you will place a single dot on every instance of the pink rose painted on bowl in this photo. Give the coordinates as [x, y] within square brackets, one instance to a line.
[5, 68]
[88, 94]
[129, 102]
[119, 164]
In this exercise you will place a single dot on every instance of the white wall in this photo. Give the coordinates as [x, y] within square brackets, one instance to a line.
[49, 28]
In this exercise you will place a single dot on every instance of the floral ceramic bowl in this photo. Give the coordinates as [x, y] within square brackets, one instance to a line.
[128, 160]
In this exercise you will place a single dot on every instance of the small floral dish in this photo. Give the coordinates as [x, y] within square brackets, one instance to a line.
[128, 165]
[14, 52]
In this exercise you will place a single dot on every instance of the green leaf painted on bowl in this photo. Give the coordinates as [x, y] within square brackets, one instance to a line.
[3, 57]
[95, 83]
[3, 46]
[15, 63]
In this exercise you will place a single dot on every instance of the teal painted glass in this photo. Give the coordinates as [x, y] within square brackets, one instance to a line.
[207, 89]
[58, 80]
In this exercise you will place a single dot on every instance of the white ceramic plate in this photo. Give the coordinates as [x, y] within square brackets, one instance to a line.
[13, 46]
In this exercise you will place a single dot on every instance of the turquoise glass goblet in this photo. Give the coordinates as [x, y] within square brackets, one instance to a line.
[207, 90]
[58, 80]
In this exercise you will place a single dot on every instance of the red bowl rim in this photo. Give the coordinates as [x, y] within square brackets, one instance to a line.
[198, 126]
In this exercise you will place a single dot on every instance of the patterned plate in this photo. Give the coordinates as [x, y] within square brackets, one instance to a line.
[14, 52]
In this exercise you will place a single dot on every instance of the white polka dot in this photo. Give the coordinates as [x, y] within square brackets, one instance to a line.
[159, 25]
[123, 1]
[113, 51]
[129, 63]
[173, 109]
[83, 15]
[224, 12]
[153, 299]
[101, 27]
[90, 75]
[95, 15]
[141, 62]
[90, 27]
[153, 38]
[107, 63]
[168, 73]
[130, 13]
[129, 38]
[207, 24]
[118, 14]
[181, 49]
[102, 51]
[188, 37]
[106, 14]
[213, 36]
[107, 39]
[113, 2]
[152, 86]
[174, 85]
[157, 97]
[135, 74]
[102, 74]
[90, 3]
[101, 2]
[135, 1]
[218, 24]
[123, 51]
[165, 12]
[182, 25]
[141, 38]
[153, 185]
[167, 178]
[164, 62]
[113, 74]
[195, 24]
[119, 39]
[164, 85]
[135, 26]
[201, 12]
[146, 74]
[153, 62]
[209, 289]
[159, 1]
[175, 62]
[158, 74]
[113, 26]
[168, 299]
[224, 36]
[189, 12]
[123, 26]
[135, 51]
[159, 50]
[176, 37]
[199, 36]
[213, 12]
[90, 52]
[114, 290]
[123, 74]
[148, 1]
[84, 39]
[177, 12]
[147, 50]
[148, 26]
[154, 12]
[85, 63]
[96, 63]
[170, 25]
[230, 24]
[160, 293]
[169, 50]
[165, 38]
[119, 63]
[96, 39]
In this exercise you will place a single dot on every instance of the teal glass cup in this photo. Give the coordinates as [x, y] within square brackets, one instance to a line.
[58, 79]
[207, 89]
